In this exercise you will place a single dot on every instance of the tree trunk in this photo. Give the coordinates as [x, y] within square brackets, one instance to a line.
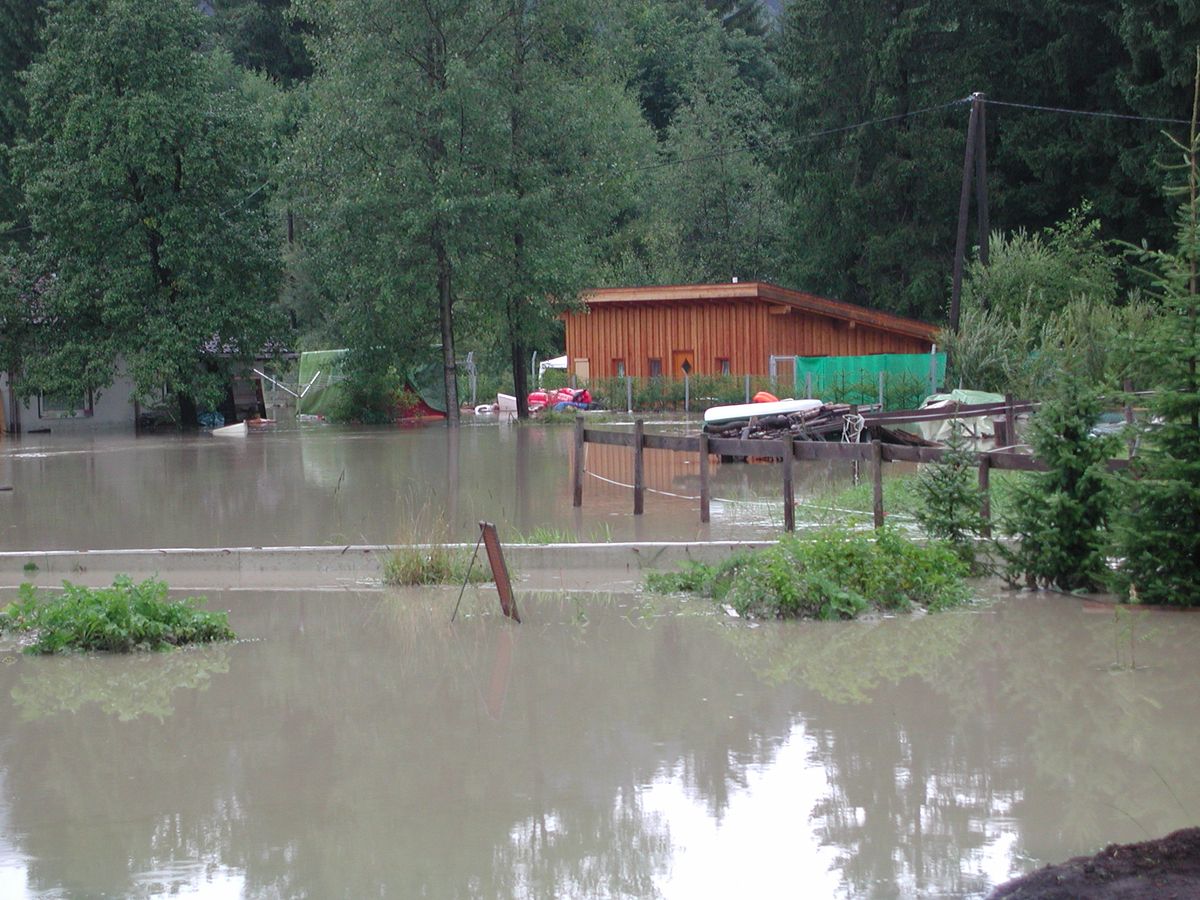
[446, 307]
[520, 378]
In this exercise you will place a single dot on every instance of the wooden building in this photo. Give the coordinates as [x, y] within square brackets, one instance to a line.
[710, 329]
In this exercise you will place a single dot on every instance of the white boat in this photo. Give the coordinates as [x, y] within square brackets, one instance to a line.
[738, 411]
[238, 430]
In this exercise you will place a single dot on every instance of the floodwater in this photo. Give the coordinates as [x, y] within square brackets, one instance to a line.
[316, 485]
[356, 744]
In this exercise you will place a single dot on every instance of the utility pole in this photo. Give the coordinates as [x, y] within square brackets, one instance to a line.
[974, 163]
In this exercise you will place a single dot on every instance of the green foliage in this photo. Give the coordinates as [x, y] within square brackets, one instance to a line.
[1034, 276]
[830, 574]
[869, 219]
[417, 564]
[143, 177]
[951, 503]
[20, 42]
[1157, 536]
[260, 35]
[1059, 518]
[120, 619]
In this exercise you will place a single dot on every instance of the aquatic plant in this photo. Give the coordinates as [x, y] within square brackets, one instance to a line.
[121, 618]
[436, 563]
[833, 573]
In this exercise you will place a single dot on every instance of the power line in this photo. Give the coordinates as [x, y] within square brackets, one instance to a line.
[1083, 112]
[812, 135]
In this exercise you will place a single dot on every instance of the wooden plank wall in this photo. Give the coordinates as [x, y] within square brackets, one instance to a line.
[746, 333]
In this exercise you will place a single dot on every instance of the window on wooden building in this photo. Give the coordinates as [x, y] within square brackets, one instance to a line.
[655, 367]
[618, 368]
[723, 365]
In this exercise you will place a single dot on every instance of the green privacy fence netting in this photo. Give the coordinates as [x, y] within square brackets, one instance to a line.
[907, 378]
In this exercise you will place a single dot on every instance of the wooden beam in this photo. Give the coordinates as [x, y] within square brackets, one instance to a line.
[508, 600]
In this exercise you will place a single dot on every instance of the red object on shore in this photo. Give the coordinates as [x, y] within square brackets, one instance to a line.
[765, 397]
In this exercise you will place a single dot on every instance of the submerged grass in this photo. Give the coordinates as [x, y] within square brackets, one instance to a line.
[438, 563]
[120, 619]
[900, 495]
[833, 573]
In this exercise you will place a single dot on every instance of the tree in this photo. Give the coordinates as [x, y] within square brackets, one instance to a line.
[145, 178]
[1157, 538]
[872, 209]
[951, 505]
[461, 168]
[560, 178]
[20, 42]
[260, 35]
[1060, 517]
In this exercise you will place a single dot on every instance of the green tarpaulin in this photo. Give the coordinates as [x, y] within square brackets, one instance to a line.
[322, 376]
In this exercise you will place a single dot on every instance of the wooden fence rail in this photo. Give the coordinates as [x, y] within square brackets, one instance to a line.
[787, 451]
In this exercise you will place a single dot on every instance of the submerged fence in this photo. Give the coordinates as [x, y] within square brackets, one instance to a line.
[788, 451]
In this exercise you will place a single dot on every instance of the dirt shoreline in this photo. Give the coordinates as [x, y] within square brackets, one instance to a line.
[1162, 869]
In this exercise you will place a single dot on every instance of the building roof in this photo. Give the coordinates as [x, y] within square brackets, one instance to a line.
[749, 291]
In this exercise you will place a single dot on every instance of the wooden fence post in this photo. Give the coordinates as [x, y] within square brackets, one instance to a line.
[577, 466]
[877, 480]
[639, 468]
[704, 497]
[1010, 420]
[747, 387]
[985, 496]
[789, 491]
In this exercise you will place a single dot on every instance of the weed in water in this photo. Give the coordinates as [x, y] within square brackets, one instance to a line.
[832, 573]
[30, 568]
[121, 618]
[416, 564]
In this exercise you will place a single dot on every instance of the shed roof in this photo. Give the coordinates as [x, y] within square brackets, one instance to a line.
[748, 291]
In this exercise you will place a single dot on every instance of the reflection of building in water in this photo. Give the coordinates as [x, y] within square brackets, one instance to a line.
[676, 472]
[665, 470]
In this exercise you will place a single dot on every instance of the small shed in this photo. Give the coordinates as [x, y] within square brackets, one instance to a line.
[736, 328]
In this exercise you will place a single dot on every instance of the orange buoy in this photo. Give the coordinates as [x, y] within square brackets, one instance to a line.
[765, 397]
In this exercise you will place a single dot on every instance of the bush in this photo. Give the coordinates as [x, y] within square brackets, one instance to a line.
[120, 619]
[832, 574]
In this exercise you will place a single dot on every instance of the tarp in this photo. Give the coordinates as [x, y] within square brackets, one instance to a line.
[977, 426]
[322, 395]
[855, 379]
[326, 392]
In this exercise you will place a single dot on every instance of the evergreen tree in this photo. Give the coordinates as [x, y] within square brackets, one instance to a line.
[1158, 539]
[261, 35]
[1059, 517]
[872, 209]
[951, 505]
[144, 176]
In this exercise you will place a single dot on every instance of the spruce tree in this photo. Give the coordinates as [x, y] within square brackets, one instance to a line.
[951, 503]
[1059, 517]
[1157, 537]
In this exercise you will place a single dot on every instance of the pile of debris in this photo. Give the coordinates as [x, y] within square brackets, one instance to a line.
[829, 422]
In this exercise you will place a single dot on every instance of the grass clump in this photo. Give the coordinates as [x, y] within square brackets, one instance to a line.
[834, 573]
[118, 619]
[417, 564]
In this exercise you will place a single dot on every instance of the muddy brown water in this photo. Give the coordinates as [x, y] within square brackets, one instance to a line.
[353, 743]
[330, 485]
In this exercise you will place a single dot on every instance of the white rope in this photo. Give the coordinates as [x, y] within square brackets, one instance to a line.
[816, 506]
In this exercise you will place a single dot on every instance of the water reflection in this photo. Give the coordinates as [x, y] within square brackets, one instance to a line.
[327, 485]
[359, 745]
